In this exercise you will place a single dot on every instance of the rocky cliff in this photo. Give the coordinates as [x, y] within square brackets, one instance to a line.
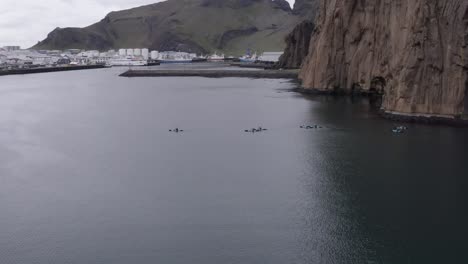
[298, 42]
[201, 26]
[414, 52]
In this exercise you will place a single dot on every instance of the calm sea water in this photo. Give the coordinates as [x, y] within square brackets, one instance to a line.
[90, 174]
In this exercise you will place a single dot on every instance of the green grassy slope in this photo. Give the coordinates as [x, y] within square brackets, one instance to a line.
[202, 26]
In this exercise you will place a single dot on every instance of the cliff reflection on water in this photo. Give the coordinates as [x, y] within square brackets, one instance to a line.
[394, 199]
[90, 174]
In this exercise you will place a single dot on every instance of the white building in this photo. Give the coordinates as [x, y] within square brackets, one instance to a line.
[129, 52]
[93, 53]
[145, 53]
[3, 59]
[122, 52]
[73, 51]
[111, 53]
[137, 52]
[154, 55]
[270, 56]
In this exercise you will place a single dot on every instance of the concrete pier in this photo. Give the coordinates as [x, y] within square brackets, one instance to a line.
[261, 74]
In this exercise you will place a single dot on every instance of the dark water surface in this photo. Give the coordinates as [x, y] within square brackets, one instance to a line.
[90, 174]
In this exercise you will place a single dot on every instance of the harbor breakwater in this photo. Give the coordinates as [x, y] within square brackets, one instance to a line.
[50, 69]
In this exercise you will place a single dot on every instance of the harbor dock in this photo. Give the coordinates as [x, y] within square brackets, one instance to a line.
[50, 69]
[262, 74]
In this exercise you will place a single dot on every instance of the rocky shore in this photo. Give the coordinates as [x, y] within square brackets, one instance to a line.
[461, 121]
[376, 101]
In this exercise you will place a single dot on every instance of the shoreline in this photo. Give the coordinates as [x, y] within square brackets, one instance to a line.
[419, 118]
[429, 119]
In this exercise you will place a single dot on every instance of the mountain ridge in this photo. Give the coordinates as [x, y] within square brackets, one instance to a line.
[200, 26]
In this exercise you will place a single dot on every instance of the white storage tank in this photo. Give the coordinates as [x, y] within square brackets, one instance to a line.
[145, 53]
[122, 52]
[137, 52]
[129, 52]
[270, 56]
[154, 55]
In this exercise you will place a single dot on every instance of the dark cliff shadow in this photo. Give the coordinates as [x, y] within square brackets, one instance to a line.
[377, 197]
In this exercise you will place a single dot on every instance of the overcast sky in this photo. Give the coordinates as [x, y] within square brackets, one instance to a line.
[25, 22]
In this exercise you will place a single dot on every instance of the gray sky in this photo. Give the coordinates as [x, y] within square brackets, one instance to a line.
[24, 22]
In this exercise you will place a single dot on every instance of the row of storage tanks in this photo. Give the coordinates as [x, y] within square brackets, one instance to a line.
[139, 52]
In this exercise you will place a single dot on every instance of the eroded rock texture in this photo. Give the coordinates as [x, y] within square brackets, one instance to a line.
[298, 42]
[413, 51]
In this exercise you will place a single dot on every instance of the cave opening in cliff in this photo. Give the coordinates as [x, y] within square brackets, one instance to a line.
[378, 85]
[376, 91]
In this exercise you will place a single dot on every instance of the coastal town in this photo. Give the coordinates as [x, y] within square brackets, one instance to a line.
[15, 58]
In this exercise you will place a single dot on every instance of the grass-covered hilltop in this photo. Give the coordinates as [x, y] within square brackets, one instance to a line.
[200, 26]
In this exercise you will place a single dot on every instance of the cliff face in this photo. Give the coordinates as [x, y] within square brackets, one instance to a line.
[413, 51]
[201, 26]
[298, 42]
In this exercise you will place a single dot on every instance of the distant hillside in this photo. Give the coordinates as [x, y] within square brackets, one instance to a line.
[306, 8]
[201, 26]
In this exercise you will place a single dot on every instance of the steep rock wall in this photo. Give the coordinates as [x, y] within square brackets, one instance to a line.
[413, 51]
[297, 46]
